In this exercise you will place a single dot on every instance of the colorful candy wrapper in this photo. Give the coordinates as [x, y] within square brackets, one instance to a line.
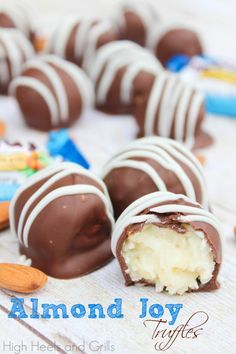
[214, 77]
[17, 162]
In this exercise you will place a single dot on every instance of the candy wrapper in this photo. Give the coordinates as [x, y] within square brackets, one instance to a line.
[61, 146]
[17, 162]
[215, 77]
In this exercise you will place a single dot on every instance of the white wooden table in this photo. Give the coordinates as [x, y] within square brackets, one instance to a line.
[129, 335]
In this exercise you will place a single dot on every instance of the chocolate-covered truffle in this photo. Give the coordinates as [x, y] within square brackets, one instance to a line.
[174, 109]
[14, 14]
[168, 241]
[77, 39]
[51, 92]
[135, 20]
[119, 71]
[171, 39]
[153, 164]
[15, 49]
[63, 219]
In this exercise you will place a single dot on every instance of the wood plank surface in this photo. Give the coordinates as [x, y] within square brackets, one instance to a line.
[129, 335]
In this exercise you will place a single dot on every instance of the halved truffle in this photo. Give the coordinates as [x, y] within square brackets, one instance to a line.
[168, 241]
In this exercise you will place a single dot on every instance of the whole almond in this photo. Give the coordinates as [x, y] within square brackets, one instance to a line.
[20, 278]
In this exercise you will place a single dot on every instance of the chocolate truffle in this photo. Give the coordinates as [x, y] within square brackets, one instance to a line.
[77, 39]
[174, 109]
[15, 15]
[168, 241]
[135, 20]
[153, 164]
[63, 219]
[15, 49]
[119, 70]
[51, 92]
[171, 39]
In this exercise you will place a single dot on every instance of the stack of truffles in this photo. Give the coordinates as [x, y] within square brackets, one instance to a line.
[149, 208]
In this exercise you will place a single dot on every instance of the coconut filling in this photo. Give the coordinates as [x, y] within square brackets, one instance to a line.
[172, 261]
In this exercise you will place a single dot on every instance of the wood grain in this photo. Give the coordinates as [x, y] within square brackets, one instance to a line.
[98, 141]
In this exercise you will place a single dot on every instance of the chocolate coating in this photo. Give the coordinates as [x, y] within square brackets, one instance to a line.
[120, 71]
[78, 39]
[6, 21]
[133, 172]
[171, 108]
[16, 15]
[70, 235]
[178, 41]
[134, 29]
[15, 49]
[135, 20]
[52, 93]
[113, 104]
[205, 223]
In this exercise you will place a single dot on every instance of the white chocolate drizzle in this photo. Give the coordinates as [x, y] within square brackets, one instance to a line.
[168, 154]
[179, 104]
[58, 102]
[114, 56]
[87, 32]
[17, 13]
[143, 9]
[133, 214]
[15, 49]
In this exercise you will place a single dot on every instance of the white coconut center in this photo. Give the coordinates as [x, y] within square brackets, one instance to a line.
[170, 260]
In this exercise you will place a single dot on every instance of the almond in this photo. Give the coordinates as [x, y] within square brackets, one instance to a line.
[20, 278]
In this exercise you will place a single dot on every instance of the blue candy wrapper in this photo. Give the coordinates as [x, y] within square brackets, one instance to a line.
[214, 77]
[221, 105]
[60, 144]
[7, 191]
[177, 63]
